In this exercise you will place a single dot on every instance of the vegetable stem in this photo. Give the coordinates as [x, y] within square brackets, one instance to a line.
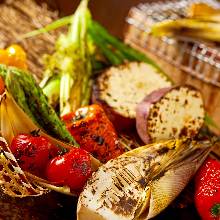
[51, 90]
[52, 26]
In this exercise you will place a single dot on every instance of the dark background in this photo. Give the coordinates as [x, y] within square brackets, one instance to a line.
[110, 13]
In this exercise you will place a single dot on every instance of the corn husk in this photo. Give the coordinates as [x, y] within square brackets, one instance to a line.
[13, 180]
[142, 182]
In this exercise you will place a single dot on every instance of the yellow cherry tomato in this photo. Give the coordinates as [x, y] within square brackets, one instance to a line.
[4, 59]
[17, 56]
[16, 50]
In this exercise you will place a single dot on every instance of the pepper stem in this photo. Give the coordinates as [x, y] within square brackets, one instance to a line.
[215, 210]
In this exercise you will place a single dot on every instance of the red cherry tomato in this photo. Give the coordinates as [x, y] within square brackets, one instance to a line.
[33, 152]
[72, 169]
[207, 190]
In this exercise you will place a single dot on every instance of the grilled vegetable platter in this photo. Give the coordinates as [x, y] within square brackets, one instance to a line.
[105, 128]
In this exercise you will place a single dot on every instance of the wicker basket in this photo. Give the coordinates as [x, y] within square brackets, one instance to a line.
[18, 17]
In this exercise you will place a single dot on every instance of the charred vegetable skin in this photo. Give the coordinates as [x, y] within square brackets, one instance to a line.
[31, 99]
[207, 190]
[94, 132]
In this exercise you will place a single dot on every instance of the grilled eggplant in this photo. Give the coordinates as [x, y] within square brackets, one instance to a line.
[120, 89]
[141, 183]
[170, 112]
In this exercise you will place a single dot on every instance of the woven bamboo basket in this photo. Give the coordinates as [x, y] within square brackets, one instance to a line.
[18, 17]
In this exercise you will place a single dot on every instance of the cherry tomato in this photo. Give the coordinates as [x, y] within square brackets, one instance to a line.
[16, 56]
[207, 190]
[71, 169]
[4, 58]
[16, 50]
[33, 152]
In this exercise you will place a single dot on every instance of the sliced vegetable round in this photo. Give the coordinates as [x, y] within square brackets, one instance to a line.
[170, 112]
[120, 89]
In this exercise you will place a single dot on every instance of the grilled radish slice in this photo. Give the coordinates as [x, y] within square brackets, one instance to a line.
[170, 112]
[120, 89]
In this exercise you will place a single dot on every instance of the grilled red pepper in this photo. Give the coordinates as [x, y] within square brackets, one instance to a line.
[207, 185]
[94, 132]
